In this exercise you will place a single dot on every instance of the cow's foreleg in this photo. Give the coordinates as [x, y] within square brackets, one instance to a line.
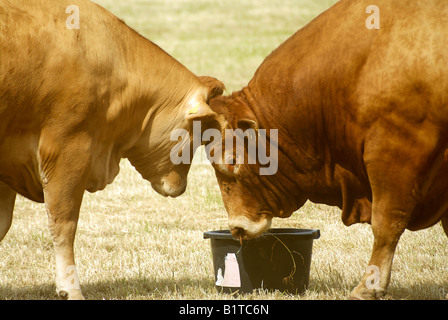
[387, 226]
[7, 200]
[63, 176]
[63, 211]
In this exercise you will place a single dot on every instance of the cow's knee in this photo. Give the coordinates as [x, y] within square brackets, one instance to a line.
[7, 200]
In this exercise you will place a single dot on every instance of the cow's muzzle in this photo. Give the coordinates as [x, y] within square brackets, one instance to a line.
[169, 191]
[242, 228]
[169, 187]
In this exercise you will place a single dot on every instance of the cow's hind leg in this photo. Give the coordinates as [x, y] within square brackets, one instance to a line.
[7, 201]
[445, 228]
[445, 224]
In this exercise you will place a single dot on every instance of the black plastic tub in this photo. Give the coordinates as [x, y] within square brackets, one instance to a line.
[279, 259]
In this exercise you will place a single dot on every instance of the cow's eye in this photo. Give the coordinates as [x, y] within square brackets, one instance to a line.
[229, 170]
[226, 169]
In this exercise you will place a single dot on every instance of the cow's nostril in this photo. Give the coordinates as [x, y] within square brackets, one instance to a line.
[238, 233]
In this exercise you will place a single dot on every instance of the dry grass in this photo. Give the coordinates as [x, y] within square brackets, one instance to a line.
[134, 244]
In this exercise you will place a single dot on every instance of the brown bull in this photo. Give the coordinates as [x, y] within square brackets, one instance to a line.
[75, 98]
[362, 120]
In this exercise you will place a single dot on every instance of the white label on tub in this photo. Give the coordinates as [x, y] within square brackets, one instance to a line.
[232, 272]
[219, 278]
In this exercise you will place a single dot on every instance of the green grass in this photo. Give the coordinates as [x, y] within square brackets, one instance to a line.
[134, 244]
[226, 39]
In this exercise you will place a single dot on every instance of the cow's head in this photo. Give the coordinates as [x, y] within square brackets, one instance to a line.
[152, 154]
[252, 197]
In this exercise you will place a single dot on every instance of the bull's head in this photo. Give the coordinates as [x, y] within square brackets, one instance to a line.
[253, 191]
[152, 154]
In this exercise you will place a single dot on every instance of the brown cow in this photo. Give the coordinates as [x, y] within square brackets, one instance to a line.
[362, 120]
[73, 102]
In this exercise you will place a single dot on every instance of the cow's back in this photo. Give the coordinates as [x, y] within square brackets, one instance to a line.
[42, 58]
[347, 62]
[337, 70]
[407, 65]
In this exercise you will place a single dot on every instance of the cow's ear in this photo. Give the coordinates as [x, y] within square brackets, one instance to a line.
[200, 111]
[215, 87]
[245, 124]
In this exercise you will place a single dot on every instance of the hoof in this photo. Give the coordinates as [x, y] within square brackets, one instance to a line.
[362, 293]
[62, 294]
[73, 295]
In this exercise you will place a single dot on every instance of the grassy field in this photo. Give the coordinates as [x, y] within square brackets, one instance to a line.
[134, 244]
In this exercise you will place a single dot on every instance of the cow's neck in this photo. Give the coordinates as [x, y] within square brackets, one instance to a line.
[309, 167]
[161, 84]
[152, 103]
[303, 171]
[283, 192]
